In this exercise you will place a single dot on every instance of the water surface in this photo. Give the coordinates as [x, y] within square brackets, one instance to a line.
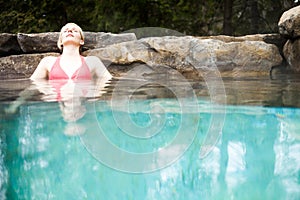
[47, 152]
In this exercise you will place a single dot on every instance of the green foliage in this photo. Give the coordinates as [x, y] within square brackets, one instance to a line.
[193, 17]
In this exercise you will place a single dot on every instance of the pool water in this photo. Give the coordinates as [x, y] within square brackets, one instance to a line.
[254, 155]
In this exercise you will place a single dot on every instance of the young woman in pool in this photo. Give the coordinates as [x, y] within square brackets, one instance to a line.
[70, 74]
[70, 64]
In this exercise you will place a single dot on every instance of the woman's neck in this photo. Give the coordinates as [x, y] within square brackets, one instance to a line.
[71, 51]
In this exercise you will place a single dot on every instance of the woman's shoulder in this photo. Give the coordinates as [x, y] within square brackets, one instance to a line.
[48, 61]
[96, 66]
[91, 58]
[49, 58]
[92, 61]
[43, 67]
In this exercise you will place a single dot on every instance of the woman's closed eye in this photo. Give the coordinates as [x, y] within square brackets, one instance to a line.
[70, 30]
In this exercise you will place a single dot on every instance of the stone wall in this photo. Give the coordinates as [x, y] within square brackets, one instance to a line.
[20, 53]
[233, 56]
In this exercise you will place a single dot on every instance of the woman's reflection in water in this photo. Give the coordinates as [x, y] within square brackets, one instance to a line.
[71, 95]
[72, 99]
[73, 110]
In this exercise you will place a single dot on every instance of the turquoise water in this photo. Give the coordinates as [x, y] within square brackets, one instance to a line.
[257, 155]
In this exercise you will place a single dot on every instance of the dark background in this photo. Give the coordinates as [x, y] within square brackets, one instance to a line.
[191, 17]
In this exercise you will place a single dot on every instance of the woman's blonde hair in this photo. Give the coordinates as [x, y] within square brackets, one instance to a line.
[59, 41]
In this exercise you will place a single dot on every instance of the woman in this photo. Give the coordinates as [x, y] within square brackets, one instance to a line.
[70, 64]
[70, 74]
[70, 69]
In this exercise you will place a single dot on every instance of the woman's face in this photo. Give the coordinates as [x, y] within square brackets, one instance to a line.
[71, 33]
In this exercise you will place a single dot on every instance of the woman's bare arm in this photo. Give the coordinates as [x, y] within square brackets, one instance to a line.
[97, 67]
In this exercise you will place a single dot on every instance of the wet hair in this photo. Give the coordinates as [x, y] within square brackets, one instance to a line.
[59, 41]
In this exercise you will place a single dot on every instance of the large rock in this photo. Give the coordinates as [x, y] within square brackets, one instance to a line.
[38, 42]
[187, 54]
[289, 27]
[238, 58]
[20, 66]
[289, 23]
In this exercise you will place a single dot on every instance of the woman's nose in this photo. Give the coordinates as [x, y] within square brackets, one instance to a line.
[69, 31]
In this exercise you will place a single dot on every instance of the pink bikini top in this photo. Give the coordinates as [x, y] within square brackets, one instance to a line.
[58, 78]
[82, 73]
